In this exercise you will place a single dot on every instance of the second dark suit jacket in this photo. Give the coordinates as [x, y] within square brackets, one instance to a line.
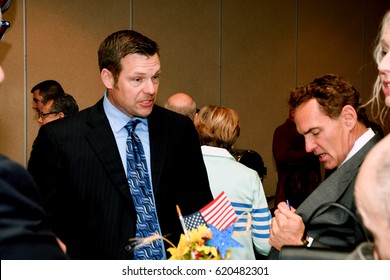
[76, 163]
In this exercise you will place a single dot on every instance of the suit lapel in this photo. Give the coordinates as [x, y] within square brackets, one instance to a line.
[102, 141]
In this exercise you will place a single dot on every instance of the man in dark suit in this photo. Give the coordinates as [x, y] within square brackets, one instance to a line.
[84, 184]
[24, 234]
[328, 114]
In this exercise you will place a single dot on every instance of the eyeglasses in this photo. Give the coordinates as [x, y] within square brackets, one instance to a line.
[4, 26]
[44, 115]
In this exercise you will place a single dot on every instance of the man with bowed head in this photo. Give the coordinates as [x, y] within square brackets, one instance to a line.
[328, 114]
[115, 171]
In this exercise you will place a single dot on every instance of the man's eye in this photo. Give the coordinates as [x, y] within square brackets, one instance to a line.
[136, 81]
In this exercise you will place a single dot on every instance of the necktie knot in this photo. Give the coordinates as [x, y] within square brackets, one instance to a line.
[130, 126]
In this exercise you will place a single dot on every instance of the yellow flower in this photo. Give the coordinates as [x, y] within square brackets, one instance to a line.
[182, 251]
[195, 248]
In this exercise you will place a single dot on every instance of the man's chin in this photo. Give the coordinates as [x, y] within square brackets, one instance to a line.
[330, 166]
[145, 112]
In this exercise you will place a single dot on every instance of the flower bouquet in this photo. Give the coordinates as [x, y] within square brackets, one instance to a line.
[207, 233]
[196, 246]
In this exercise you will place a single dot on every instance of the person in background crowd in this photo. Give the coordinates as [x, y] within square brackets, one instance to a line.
[42, 92]
[299, 172]
[328, 113]
[183, 104]
[56, 107]
[218, 129]
[90, 185]
[24, 233]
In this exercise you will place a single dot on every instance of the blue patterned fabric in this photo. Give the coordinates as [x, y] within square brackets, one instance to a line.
[140, 188]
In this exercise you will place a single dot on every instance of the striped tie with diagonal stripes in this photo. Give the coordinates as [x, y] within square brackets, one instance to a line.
[141, 191]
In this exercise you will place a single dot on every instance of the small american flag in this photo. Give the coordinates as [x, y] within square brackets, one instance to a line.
[219, 213]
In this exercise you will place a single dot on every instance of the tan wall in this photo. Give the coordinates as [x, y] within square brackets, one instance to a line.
[245, 54]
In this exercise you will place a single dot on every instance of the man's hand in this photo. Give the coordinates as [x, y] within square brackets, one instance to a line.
[287, 228]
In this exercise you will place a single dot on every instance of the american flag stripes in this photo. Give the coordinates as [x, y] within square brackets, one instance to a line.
[219, 213]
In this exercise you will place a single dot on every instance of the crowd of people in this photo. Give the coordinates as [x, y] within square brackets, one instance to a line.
[115, 172]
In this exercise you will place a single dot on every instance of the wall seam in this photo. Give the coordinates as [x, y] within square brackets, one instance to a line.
[220, 52]
[25, 134]
[131, 14]
[363, 44]
[296, 41]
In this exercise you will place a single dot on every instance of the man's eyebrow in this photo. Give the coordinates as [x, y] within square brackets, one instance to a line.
[308, 131]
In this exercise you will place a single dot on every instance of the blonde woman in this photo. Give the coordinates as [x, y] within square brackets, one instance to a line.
[382, 58]
[218, 129]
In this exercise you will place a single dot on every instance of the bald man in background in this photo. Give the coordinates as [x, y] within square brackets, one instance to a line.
[182, 103]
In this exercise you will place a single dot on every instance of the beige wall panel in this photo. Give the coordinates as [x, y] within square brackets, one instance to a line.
[187, 32]
[330, 40]
[63, 38]
[258, 70]
[12, 116]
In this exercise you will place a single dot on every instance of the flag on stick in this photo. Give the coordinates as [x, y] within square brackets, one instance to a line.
[219, 213]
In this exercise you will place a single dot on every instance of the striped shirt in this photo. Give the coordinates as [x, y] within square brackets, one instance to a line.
[244, 189]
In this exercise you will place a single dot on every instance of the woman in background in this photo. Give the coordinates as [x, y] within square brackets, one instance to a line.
[218, 129]
[382, 58]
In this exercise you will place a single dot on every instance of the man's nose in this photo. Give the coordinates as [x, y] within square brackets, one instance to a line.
[310, 145]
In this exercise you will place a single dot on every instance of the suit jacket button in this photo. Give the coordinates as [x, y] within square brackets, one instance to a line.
[128, 247]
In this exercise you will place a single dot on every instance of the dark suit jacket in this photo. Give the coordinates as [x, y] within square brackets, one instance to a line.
[76, 163]
[338, 187]
[23, 231]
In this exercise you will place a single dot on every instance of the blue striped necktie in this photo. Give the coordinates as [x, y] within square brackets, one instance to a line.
[141, 191]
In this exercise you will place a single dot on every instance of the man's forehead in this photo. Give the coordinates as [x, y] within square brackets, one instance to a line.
[307, 116]
[37, 95]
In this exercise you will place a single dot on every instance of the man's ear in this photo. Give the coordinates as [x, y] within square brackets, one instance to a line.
[349, 116]
[61, 115]
[107, 78]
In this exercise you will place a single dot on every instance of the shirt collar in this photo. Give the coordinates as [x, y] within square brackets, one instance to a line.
[117, 118]
[359, 143]
[216, 152]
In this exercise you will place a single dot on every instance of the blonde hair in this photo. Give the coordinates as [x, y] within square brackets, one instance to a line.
[217, 126]
[379, 111]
